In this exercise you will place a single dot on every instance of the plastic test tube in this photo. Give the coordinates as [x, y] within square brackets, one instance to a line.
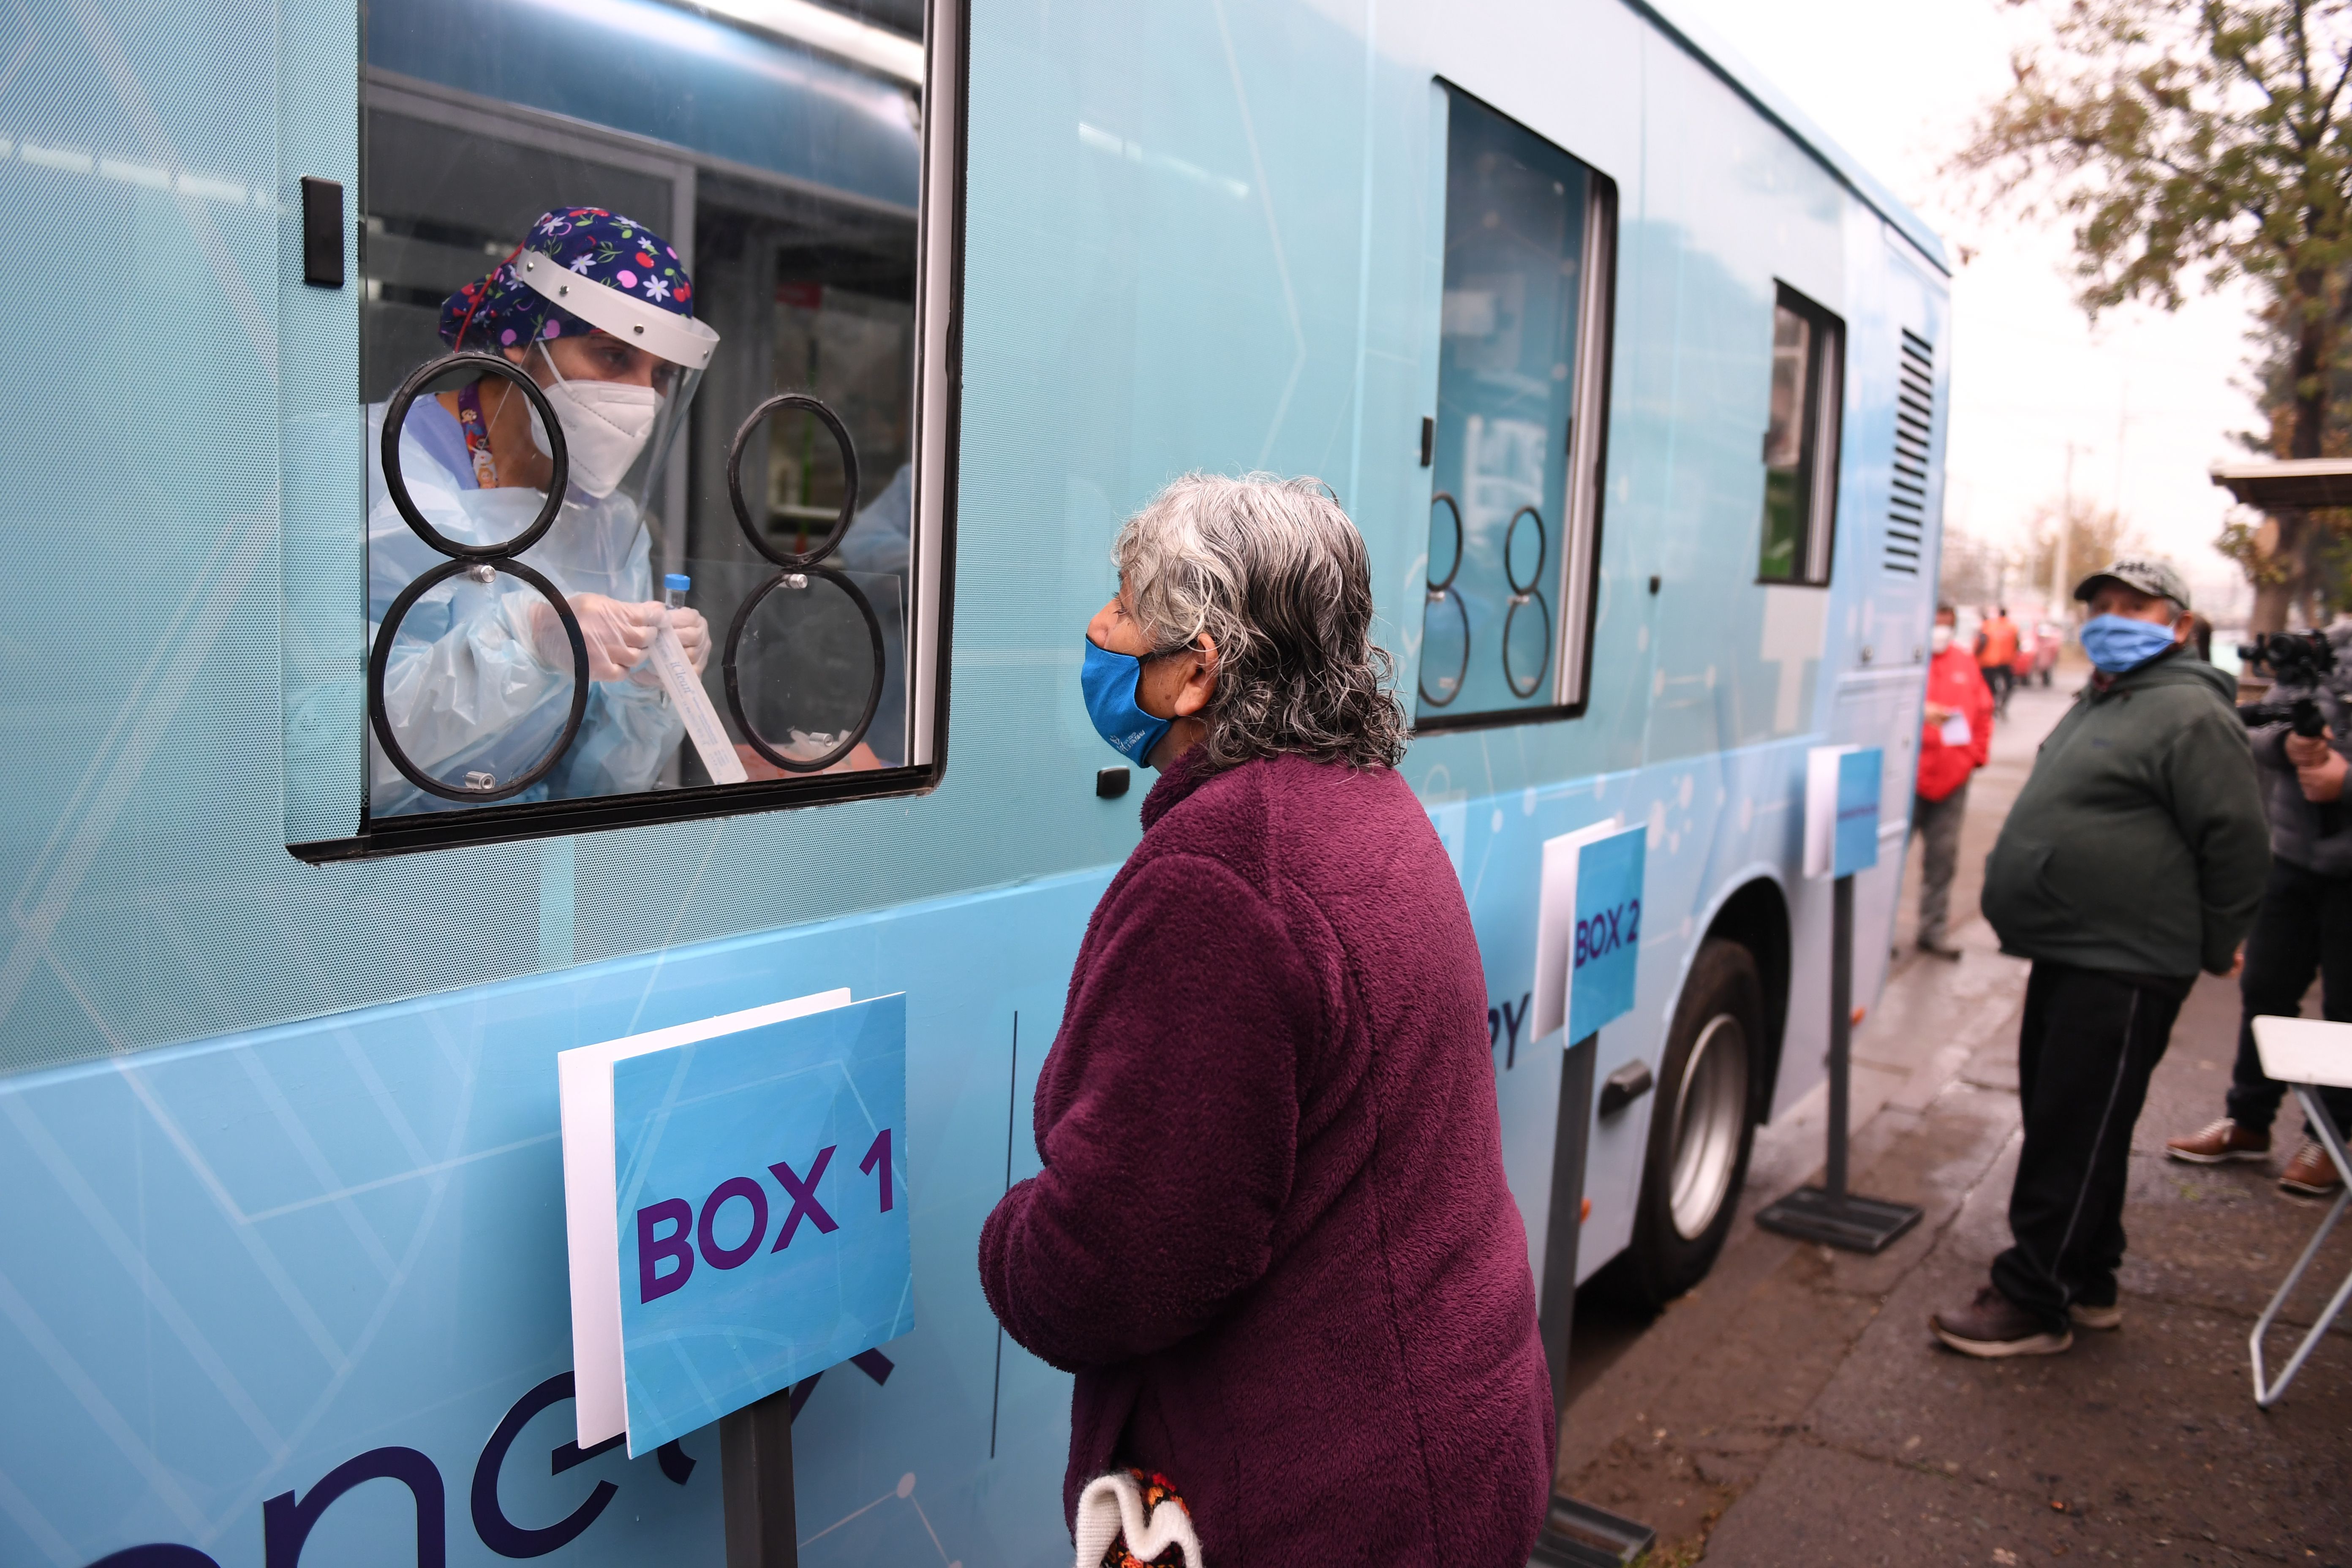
[685, 689]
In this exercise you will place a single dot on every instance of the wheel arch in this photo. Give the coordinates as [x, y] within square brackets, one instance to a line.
[1754, 913]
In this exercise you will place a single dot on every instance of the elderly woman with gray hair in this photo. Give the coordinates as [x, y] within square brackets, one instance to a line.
[1271, 1236]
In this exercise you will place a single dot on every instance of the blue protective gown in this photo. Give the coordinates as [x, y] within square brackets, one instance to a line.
[466, 688]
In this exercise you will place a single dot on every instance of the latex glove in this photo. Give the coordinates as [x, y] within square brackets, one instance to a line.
[2308, 750]
[2324, 783]
[693, 638]
[617, 634]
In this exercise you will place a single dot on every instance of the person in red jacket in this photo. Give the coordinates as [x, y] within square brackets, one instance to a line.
[1954, 741]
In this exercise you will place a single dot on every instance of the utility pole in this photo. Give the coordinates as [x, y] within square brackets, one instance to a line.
[2058, 562]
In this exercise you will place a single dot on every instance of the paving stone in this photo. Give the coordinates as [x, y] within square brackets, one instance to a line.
[2154, 1426]
[1824, 1508]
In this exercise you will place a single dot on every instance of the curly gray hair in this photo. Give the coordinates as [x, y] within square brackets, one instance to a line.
[1272, 571]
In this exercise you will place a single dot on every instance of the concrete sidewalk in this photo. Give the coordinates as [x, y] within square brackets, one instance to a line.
[1794, 1409]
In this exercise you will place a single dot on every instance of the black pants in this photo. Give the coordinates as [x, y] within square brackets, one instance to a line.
[1998, 680]
[1939, 821]
[2304, 927]
[2090, 1042]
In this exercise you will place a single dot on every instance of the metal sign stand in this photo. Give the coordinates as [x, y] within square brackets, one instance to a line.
[755, 1477]
[1829, 1214]
[1575, 1534]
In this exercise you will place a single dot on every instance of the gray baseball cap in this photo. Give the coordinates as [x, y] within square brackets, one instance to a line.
[2155, 578]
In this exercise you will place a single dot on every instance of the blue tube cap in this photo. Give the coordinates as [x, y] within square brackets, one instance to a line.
[677, 580]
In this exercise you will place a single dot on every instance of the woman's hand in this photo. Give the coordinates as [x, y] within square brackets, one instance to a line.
[618, 634]
[693, 635]
[693, 638]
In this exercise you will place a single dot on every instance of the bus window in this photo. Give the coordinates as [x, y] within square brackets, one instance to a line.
[1800, 442]
[639, 293]
[1521, 425]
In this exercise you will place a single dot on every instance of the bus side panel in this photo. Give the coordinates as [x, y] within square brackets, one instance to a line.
[1715, 824]
[233, 1267]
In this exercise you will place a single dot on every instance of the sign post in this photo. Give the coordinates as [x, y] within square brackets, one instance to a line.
[1587, 956]
[1842, 795]
[735, 1199]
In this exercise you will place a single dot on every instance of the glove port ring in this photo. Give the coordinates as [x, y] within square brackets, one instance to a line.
[396, 483]
[1543, 551]
[796, 578]
[380, 657]
[1519, 601]
[1453, 683]
[1439, 585]
[794, 560]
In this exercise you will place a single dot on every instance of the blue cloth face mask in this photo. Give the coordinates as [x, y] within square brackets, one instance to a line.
[2117, 643]
[1109, 680]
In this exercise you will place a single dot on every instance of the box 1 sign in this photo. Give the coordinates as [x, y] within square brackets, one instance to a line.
[759, 1204]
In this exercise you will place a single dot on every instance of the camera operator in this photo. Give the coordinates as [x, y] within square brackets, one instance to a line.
[2304, 924]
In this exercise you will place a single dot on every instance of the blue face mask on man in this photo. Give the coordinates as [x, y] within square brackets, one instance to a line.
[2118, 643]
[1109, 680]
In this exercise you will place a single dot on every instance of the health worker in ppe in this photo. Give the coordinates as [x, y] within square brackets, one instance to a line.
[598, 311]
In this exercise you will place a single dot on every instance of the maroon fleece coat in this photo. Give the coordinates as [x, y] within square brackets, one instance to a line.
[1271, 1236]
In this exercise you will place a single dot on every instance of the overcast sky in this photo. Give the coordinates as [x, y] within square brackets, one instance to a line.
[2147, 400]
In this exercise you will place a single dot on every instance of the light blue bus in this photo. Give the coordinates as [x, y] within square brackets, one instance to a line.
[1635, 384]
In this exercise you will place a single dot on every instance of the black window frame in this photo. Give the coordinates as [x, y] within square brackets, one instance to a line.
[1588, 442]
[939, 239]
[1819, 459]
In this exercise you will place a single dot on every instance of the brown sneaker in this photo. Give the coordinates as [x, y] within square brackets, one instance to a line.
[2224, 1139]
[1992, 1326]
[2105, 1319]
[2311, 1174]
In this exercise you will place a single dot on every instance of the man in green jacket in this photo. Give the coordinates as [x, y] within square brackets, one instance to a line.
[2134, 857]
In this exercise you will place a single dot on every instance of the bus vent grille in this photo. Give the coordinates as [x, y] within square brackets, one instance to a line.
[1914, 411]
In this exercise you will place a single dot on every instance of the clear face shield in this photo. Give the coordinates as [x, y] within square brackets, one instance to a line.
[621, 409]
[497, 604]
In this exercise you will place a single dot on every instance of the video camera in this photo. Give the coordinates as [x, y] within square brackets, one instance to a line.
[2292, 659]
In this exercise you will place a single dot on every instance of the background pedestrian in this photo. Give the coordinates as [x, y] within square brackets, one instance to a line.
[2303, 928]
[2143, 793]
[1997, 655]
[1955, 739]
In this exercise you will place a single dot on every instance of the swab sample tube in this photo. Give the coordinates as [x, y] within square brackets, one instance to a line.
[686, 692]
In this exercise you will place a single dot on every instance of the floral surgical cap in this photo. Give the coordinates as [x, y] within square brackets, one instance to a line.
[501, 310]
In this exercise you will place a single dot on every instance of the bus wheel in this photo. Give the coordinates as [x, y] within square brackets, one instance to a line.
[1700, 1129]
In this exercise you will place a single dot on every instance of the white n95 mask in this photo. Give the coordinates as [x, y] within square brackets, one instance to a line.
[1940, 638]
[605, 424]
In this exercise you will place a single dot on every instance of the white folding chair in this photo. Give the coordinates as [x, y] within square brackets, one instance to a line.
[2309, 1054]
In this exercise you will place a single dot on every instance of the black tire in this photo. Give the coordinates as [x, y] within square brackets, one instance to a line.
[1702, 1125]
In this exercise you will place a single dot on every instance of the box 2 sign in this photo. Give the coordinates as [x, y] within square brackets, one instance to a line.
[1606, 957]
[1589, 928]
[1842, 796]
[761, 1204]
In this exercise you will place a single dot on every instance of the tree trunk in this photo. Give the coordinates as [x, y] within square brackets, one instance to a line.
[2313, 346]
[2274, 602]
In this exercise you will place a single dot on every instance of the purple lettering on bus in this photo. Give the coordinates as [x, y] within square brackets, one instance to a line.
[651, 1248]
[742, 1188]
